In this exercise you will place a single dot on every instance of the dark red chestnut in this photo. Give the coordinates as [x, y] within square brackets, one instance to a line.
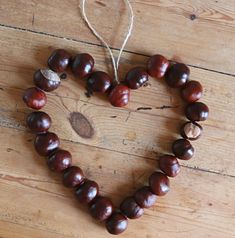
[87, 191]
[183, 149]
[99, 82]
[59, 160]
[144, 197]
[169, 165]
[83, 65]
[177, 75]
[38, 122]
[34, 98]
[116, 224]
[159, 183]
[46, 143]
[46, 79]
[59, 60]
[136, 77]
[73, 177]
[101, 208]
[191, 130]
[192, 91]
[130, 208]
[119, 96]
[197, 111]
[157, 66]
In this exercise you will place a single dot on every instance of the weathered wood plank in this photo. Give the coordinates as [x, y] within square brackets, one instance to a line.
[31, 195]
[142, 133]
[174, 28]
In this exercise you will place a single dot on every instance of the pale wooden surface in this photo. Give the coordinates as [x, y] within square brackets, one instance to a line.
[33, 203]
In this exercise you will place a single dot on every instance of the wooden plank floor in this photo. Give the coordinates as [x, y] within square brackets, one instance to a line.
[123, 151]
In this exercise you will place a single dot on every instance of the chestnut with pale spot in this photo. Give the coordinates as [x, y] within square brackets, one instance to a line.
[191, 130]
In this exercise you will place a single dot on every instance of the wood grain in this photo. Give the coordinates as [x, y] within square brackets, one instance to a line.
[120, 146]
[174, 28]
[138, 132]
[32, 196]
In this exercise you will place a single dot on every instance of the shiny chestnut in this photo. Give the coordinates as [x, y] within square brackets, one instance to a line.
[136, 77]
[101, 208]
[82, 65]
[197, 111]
[73, 177]
[144, 197]
[117, 223]
[59, 60]
[183, 149]
[177, 75]
[46, 79]
[192, 91]
[46, 143]
[38, 122]
[119, 96]
[169, 165]
[130, 208]
[157, 66]
[99, 81]
[159, 183]
[34, 98]
[87, 192]
[59, 160]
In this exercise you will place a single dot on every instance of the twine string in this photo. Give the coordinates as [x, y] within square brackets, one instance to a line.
[128, 34]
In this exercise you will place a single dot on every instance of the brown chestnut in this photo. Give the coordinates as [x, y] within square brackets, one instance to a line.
[38, 122]
[177, 75]
[192, 91]
[130, 208]
[183, 149]
[73, 177]
[169, 165]
[101, 208]
[46, 143]
[34, 98]
[119, 96]
[82, 65]
[46, 79]
[117, 223]
[197, 111]
[87, 191]
[159, 183]
[59, 60]
[144, 197]
[136, 77]
[157, 66]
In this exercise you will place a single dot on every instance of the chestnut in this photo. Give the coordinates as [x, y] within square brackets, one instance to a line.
[73, 177]
[136, 77]
[46, 79]
[119, 96]
[82, 65]
[34, 98]
[59, 160]
[130, 208]
[117, 223]
[38, 122]
[101, 208]
[157, 66]
[59, 60]
[99, 82]
[159, 183]
[87, 192]
[177, 75]
[46, 143]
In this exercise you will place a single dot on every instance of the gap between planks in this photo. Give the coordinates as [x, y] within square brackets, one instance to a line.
[99, 45]
[125, 153]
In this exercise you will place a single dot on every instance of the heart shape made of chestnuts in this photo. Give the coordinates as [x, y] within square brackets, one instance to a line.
[87, 192]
